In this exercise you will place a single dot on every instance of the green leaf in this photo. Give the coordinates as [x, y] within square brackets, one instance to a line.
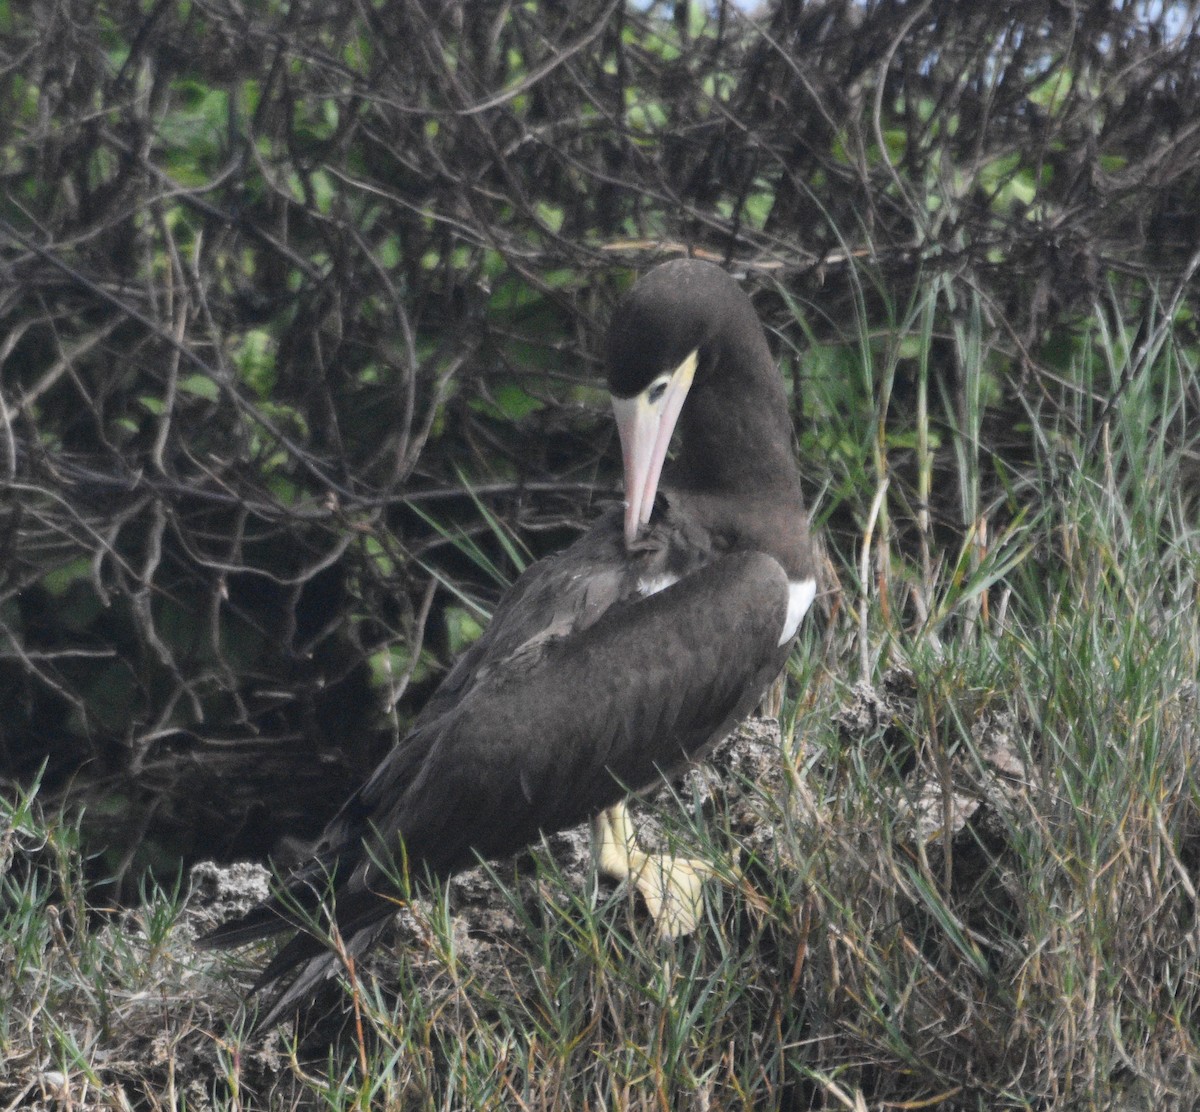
[323, 190]
[391, 662]
[551, 216]
[462, 630]
[514, 403]
[387, 254]
[201, 386]
[255, 361]
[59, 581]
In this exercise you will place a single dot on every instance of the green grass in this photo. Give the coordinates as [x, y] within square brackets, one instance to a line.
[971, 884]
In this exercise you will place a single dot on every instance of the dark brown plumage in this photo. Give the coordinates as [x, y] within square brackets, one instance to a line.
[612, 663]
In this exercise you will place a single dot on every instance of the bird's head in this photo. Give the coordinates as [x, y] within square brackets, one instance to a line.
[665, 342]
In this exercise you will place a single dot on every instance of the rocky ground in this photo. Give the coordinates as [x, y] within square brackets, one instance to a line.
[174, 1030]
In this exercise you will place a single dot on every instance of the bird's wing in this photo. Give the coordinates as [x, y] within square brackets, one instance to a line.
[541, 745]
[538, 740]
[554, 599]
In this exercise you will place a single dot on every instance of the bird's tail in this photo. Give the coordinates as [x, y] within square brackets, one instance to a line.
[331, 928]
[320, 960]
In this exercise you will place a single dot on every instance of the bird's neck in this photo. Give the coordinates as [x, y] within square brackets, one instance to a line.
[736, 438]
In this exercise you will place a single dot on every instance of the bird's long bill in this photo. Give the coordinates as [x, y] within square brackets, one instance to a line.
[645, 423]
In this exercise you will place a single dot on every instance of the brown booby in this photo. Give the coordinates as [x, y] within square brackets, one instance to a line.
[605, 667]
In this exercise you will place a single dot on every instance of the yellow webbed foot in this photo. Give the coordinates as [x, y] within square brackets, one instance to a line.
[673, 887]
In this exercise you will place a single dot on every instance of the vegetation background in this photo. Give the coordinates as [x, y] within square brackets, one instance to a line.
[299, 318]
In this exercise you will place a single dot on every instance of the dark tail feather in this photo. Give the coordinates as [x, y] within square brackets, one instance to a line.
[295, 904]
[357, 917]
[301, 948]
[319, 964]
[264, 921]
[318, 968]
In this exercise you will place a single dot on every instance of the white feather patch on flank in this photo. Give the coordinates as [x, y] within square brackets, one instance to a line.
[652, 584]
[800, 598]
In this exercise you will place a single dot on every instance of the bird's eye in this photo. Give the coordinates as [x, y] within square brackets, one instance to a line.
[656, 392]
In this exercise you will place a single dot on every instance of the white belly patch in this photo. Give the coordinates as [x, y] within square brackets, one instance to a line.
[652, 584]
[800, 598]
